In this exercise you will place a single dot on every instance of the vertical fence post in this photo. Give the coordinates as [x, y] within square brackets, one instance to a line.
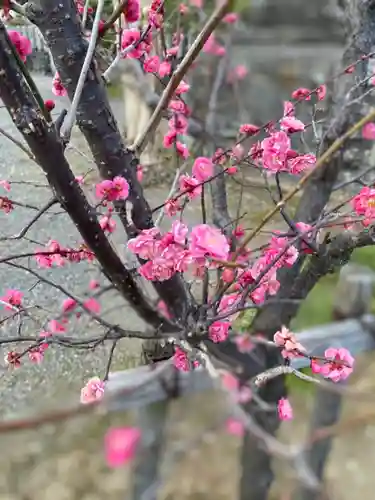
[151, 420]
[352, 300]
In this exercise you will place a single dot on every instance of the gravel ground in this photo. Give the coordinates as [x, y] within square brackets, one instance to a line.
[62, 372]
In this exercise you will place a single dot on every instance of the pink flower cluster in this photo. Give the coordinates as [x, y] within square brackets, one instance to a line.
[57, 255]
[21, 43]
[178, 123]
[57, 86]
[6, 204]
[337, 365]
[92, 391]
[279, 253]
[132, 11]
[213, 47]
[284, 409]
[112, 190]
[275, 152]
[286, 339]
[364, 204]
[12, 299]
[70, 305]
[170, 253]
[134, 44]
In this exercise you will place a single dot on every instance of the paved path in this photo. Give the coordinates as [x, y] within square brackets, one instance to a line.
[61, 374]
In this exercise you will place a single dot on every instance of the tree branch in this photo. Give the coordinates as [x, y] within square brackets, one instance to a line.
[95, 119]
[41, 137]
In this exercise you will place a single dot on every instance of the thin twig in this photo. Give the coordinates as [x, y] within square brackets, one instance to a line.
[70, 118]
[193, 52]
[337, 144]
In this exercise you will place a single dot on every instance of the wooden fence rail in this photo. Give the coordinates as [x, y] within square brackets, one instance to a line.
[152, 394]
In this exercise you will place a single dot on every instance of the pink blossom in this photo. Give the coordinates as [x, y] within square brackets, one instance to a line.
[6, 204]
[212, 47]
[183, 9]
[57, 86]
[229, 303]
[145, 244]
[288, 108]
[129, 38]
[132, 11]
[12, 358]
[239, 72]
[171, 207]
[55, 327]
[107, 223]
[274, 151]
[368, 131]
[92, 391]
[180, 360]
[302, 94]
[121, 444]
[300, 164]
[249, 129]
[178, 106]
[286, 339]
[321, 92]
[5, 185]
[12, 299]
[111, 190]
[178, 125]
[284, 409]
[151, 64]
[191, 186]
[208, 241]
[228, 275]
[43, 260]
[218, 331]
[182, 150]
[203, 168]
[94, 284]
[165, 69]
[244, 343]
[170, 138]
[179, 232]
[231, 383]
[21, 43]
[182, 88]
[36, 355]
[235, 427]
[121, 188]
[68, 305]
[44, 346]
[290, 124]
[339, 364]
[364, 204]
[92, 305]
[231, 18]
[156, 270]
[306, 230]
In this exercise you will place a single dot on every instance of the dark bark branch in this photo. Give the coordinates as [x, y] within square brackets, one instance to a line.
[59, 23]
[41, 137]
